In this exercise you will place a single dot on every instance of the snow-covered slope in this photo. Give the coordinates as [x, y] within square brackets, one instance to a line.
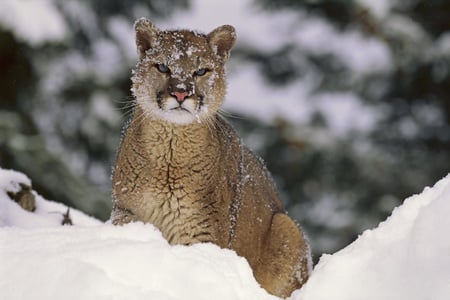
[40, 259]
[406, 257]
[47, 213]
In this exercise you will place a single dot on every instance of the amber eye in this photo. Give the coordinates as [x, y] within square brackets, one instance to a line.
[200, 72]
[162, 68]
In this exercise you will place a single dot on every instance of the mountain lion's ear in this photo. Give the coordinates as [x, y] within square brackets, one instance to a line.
[222, 40]
[146, 36]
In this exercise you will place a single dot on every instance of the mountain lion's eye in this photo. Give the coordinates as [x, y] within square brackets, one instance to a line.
[162, 68]
[200, 72]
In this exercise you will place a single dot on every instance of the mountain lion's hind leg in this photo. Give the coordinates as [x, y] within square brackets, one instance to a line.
[283, 267]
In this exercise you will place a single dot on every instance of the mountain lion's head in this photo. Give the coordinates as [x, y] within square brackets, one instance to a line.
[180, 74]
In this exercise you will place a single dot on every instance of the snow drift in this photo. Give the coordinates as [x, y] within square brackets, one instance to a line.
[406, 257]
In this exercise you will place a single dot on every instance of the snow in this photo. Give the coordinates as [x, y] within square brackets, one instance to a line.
[379, 8]
[297, 104]
[249, 95]
[405, 257]
[108, 262]
[360, 54]
[344, 105]
[91, 260]
[47, 213]
[123, 34]
[33, 21]
[107, 60]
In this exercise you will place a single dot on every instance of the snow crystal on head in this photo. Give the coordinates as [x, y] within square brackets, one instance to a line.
[183, 53]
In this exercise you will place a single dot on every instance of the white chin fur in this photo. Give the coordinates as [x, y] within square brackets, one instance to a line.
[180, 117]
[173, 114]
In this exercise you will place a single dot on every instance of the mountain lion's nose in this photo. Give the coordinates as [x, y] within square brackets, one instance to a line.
[180, 95]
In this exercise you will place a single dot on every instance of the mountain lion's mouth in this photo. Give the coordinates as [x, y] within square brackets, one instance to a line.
[176, 111]
[180, 108]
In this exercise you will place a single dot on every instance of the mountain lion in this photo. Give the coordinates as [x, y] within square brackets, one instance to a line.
[183, 168]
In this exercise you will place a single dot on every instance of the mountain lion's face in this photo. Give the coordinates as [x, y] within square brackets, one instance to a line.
[180, 74]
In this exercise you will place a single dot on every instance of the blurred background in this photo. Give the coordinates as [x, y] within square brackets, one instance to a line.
[348, 102]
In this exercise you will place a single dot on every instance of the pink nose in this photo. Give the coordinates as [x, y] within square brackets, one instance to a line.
[180, 96]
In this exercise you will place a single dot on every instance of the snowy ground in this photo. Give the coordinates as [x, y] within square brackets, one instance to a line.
[406, 257]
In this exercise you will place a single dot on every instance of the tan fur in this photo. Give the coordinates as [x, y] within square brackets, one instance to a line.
[182, 168]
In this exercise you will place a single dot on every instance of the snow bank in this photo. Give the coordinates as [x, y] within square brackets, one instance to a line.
[107, 262]
[40, 259]
[47, 213]
[406, 257]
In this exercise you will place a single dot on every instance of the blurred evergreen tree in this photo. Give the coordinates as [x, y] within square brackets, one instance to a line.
[353, 183]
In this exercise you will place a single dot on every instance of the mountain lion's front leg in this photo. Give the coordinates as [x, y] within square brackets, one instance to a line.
[121, 216]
